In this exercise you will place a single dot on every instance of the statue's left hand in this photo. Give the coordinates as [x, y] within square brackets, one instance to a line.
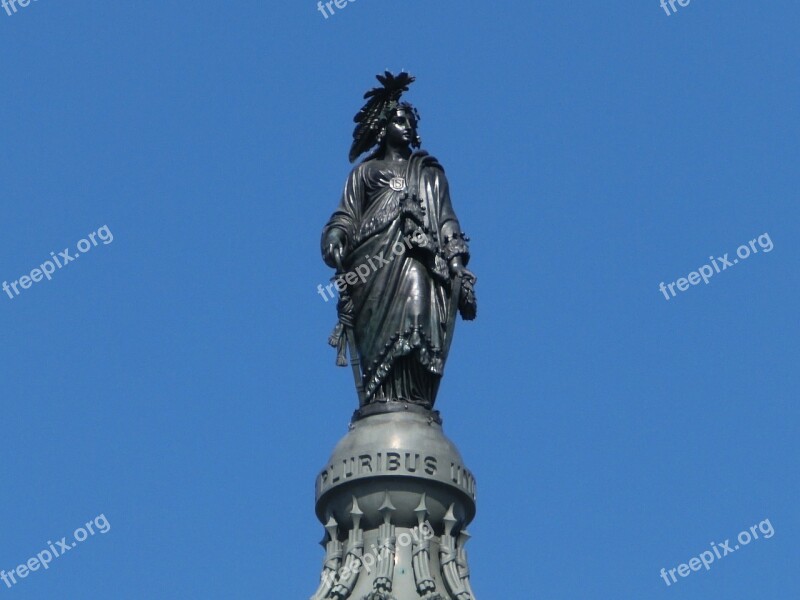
[464, 273]
[457, 269]
[467, 304]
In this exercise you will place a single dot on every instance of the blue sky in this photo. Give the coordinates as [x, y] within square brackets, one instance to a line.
[177, 379]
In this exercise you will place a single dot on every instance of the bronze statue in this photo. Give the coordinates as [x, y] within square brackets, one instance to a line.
[400, 256]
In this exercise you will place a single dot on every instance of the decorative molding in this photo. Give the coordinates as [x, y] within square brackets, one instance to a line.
[348, 575]
[333, 558]
[382, 586]
[421, 558]
[461, 559]
[448, 556]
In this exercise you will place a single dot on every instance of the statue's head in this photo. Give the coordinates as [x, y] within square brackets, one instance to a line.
[384, 120]
[399, 127]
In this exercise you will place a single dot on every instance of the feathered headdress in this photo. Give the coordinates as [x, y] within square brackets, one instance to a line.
[373, 116]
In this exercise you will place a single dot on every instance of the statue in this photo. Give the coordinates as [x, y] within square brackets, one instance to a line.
[401, 271]
[400, 255]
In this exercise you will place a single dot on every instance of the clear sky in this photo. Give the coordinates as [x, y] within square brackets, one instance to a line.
[176, 380]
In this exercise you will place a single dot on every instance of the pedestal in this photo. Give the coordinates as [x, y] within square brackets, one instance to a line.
[395, 499]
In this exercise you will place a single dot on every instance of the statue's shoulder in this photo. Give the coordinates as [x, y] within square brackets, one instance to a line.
[365, 168]
[360, 168]
[426, 160]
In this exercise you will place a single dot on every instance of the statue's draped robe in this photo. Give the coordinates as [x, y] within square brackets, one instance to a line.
[403, 309]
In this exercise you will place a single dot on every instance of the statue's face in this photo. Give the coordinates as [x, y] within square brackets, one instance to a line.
[400, 129]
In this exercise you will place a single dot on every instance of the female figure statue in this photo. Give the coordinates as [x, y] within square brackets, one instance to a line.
[395, 226]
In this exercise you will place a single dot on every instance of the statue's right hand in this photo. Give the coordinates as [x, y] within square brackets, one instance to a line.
[335, 242]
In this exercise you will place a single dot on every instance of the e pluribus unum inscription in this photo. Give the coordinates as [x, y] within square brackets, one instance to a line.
[395, 462]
